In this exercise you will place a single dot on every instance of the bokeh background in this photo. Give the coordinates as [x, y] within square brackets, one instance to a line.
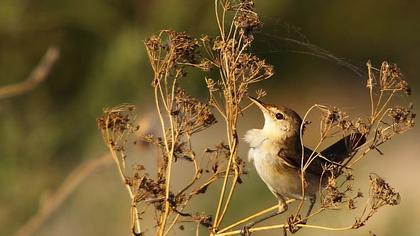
[48, 132]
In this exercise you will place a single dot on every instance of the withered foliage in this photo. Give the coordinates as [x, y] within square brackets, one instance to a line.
[181, 117]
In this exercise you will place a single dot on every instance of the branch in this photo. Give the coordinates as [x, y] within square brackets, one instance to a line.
[38, 75]
[53, 202]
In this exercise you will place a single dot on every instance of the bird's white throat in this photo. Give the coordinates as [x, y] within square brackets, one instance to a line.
[267, 137]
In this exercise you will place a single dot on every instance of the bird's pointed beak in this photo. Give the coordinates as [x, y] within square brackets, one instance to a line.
[261, 105]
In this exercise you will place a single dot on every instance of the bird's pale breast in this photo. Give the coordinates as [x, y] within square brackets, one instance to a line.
[279, 176]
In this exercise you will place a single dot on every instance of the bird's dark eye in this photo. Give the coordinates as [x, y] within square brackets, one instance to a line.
[279, 116]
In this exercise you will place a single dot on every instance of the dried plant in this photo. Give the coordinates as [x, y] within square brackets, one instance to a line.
[380, 126]
[116, 125]
[181, 117]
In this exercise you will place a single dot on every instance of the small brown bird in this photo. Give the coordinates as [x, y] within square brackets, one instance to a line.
[276, 153]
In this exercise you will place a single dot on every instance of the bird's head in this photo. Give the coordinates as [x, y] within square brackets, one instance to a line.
[279, 120]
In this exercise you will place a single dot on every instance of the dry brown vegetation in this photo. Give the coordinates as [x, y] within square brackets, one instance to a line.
[231, 69]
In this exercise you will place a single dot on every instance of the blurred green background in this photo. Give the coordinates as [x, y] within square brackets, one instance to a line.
[49, 131]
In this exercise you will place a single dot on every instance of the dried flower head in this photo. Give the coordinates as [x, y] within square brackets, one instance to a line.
[246, 19]
[382, 193]
[211, 85]
[402, 118]
[191, 115]
[333, 116]
[117, 119]
[170, 51]
[216, 158]
[115, 124]
[336, 190]
[250, 69]
[391, 79]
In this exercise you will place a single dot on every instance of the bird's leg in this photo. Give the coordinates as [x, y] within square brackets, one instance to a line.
[312, 200]
[282, 209]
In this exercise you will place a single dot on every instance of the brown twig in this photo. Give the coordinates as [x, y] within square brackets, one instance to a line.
[53, 202]
[38, 75]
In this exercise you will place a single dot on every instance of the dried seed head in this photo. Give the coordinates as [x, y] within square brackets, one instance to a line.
[333, 116]
[170, 52]
[247, 20]
[252, 69]
[392, 79]
[191, 115]
[362, 127]
[117, 119]
[332, 196]
[182, 46]
[211, 85]
[382, 193]
[153, 44]
[402, 118]
[260, 93]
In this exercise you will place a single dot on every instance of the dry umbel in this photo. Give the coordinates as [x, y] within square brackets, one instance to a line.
[181, 117]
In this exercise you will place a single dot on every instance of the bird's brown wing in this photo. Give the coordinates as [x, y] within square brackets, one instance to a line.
[334, 154]
[340, 150]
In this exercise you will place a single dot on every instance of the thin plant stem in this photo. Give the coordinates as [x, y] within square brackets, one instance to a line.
[222, 192]
[135, 221]
[170, 161]
[216, 7]
[229, 197]
[370, 86]
[302, 172]
[285, 226]
[385, 104]
[162, 122]
[255, 215]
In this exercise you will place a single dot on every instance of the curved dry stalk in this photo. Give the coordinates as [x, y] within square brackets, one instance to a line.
[302, 165]
[116, 124]
[134, 216]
